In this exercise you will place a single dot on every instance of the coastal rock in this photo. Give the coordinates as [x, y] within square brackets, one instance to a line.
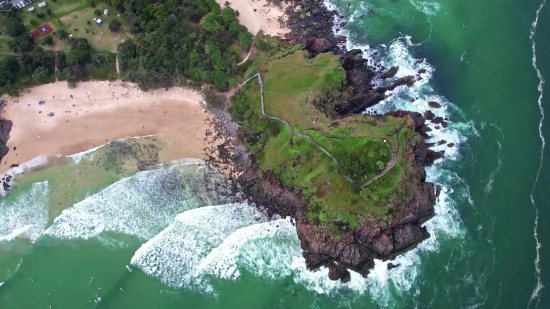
[406, 80]
[5, 129]
[316, 45]
[439, 120]
[434, 104]
[450, 145]
[392, 266]
[390, 73]
[337, 272]
[431, 156]
[429, 115]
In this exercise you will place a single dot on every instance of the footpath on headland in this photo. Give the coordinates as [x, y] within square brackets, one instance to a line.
[389, 165]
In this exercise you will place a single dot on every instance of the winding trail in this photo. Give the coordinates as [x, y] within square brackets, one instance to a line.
[389, 165]
[247, 55]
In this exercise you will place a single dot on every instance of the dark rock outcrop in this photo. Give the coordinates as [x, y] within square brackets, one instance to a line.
[434, 104]
[390, 73]
[5, 129]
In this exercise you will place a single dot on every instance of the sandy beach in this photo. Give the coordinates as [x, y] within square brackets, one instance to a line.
[99, 112]
[266, 17]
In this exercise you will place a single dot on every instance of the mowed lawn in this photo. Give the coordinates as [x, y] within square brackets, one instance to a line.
[73, 16]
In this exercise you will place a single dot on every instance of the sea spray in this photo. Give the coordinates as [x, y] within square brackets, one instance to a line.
[174, 255]
[141, 205]
[25, 214]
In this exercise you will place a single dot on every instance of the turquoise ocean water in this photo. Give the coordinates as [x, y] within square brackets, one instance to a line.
[145, 241]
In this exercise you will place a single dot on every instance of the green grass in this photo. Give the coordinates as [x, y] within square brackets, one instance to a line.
[291, 82]
[73, 15]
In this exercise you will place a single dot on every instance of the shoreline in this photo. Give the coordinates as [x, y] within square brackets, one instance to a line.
[101, 112]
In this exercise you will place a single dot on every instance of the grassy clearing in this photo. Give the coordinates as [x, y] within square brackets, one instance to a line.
[362, 144]
[73, 16]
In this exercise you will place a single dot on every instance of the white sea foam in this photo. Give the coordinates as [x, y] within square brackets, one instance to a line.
[174, 255]
[141, 205]
[535, 296]
[37, 161]
[26, 215]
[489, 185]
[265, 249]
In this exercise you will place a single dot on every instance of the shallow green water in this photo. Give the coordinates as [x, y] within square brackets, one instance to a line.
[483, 250]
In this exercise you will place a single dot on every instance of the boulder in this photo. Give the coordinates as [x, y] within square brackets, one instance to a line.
[390, 73]
[433, 104]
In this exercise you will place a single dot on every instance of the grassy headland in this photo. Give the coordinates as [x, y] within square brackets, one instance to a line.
[362, 144]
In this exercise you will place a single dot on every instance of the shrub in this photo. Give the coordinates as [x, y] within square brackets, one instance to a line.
[62, 34]
[41, 15]
[97, 12]
[114, 25]
[47, 40]
[33, 22]
[48, 11]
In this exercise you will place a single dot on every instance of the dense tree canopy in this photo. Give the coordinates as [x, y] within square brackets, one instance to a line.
[181, 39]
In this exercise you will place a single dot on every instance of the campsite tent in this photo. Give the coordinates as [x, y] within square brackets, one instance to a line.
[106, 12]
[99, 21]
[31, 9]
[42, 4]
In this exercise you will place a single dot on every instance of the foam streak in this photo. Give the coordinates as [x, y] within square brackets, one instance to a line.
[535, 296]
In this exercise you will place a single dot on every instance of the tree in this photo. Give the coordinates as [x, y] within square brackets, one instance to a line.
[114, 25]
[21, 44]
[48, 40]
[9, 63]
[40, 74]
[41, 15]
[48, 11]
[15, 28]
[62, 34]
[97, 12]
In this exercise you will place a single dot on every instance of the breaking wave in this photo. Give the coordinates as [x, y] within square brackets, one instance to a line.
[141, 205]
[174, 255]
[25, 215]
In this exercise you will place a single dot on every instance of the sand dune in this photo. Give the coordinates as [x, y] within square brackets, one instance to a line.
[101, 112]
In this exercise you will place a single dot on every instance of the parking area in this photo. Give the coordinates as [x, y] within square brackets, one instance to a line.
[20, 4]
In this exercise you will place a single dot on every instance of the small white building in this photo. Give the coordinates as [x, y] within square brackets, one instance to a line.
[42, 4]
[31, 9]
[106, 12]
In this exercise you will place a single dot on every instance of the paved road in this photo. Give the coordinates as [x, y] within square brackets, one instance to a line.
[390, 164]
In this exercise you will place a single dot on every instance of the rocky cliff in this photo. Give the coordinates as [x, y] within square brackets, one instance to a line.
[5, 128]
